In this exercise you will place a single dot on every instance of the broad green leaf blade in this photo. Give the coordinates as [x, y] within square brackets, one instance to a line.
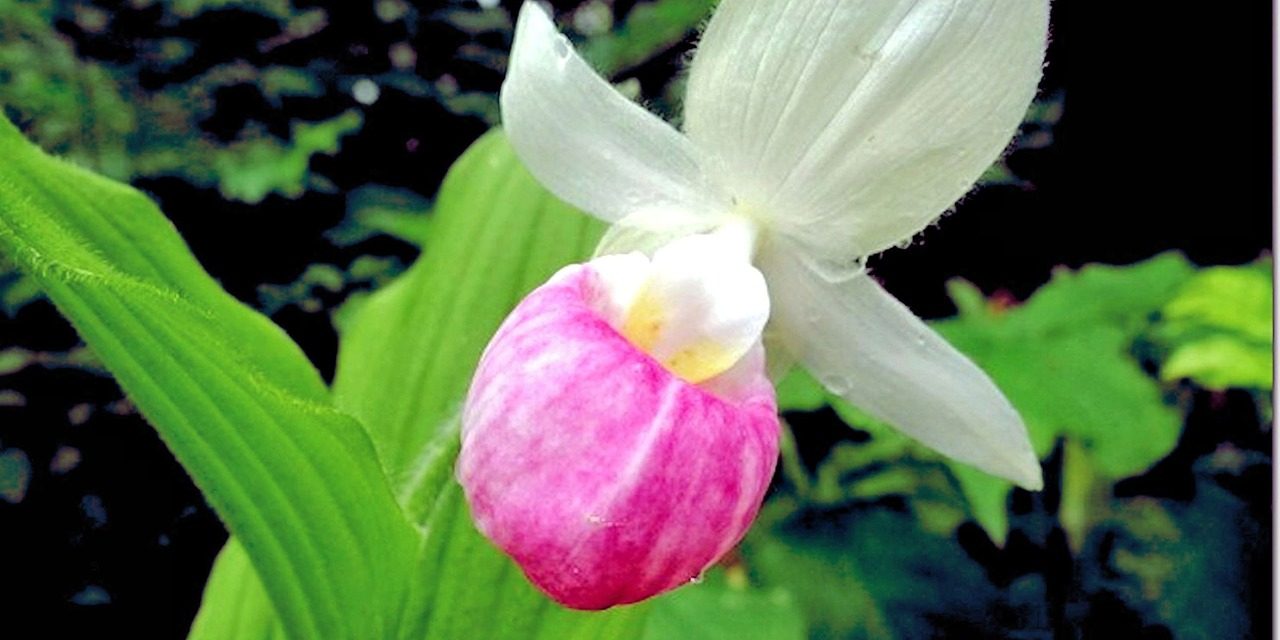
[231, 395]
[1123, 296]
[721, 609]
[234, 604]
[1218, 329]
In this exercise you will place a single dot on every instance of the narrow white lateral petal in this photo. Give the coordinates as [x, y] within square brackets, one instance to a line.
[871, 350]
[587, 143]
[852, 125]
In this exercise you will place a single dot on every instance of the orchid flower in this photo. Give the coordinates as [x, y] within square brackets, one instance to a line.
[621, 429]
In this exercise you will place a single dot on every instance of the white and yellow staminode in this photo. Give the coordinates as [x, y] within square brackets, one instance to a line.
[698, 306]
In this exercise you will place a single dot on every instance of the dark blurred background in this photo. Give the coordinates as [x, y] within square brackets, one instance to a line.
[295, 145]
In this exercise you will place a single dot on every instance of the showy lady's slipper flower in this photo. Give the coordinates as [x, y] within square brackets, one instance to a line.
[621, 431]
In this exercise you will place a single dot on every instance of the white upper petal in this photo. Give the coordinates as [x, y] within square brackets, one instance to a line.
[589, 144]
[850, 126]
[871, 350]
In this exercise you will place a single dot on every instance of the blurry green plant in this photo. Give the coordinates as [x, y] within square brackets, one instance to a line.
[103, 117]
[345, 517]
[1218, 329]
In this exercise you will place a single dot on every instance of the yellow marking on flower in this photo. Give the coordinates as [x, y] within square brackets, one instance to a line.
[645, 320]
[644, 327]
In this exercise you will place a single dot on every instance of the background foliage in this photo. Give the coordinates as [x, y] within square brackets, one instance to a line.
[299, 149]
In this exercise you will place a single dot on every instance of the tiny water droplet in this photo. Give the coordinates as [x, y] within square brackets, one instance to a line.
[562, 50]
[696, 579]
[839, 385]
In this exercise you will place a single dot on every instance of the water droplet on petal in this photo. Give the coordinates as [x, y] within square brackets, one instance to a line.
[563, 51]
[839, 385]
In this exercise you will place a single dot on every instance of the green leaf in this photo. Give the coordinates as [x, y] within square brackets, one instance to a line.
[1218, 329]
[1065, 360]
[234, 604]
[373, 210]
[1221, 362]
[74, 105]
[250, 169]
[867, 573]
[1234, 299]
[1125, 297]
[1181, 564]
[988, 499]
[1082, 384]
[721, 608]
[799, 391]
[15, 475]
[235, 399]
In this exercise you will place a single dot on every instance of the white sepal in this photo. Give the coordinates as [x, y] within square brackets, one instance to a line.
[867, 347]
[589, 144]
[850, 126]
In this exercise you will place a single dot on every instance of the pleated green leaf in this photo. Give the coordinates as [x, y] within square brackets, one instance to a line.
[234, 603]
[294, 479]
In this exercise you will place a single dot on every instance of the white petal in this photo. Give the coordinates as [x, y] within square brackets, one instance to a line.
[586, 142]
[871, 350]
[852, 125]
